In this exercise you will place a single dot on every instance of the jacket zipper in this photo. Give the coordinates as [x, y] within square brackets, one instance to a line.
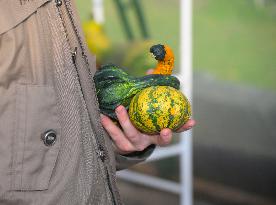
[102, 151]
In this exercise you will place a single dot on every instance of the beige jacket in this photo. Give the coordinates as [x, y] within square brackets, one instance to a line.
[53, 149]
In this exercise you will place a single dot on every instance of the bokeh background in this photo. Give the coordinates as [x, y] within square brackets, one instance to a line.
[234, 92]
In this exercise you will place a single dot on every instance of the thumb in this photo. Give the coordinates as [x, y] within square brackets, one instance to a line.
[150, 71]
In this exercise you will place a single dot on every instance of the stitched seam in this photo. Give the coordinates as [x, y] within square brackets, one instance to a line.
[13, 153]
[24, 136]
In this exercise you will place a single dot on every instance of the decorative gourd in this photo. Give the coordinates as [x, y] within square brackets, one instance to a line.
[158, 107]
[115, 87]
[165, 59]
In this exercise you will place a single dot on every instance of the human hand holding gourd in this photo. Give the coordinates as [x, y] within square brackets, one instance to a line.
[116, 88]
[129, 139]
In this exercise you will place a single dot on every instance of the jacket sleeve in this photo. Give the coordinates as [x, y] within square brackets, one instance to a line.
[125, 161]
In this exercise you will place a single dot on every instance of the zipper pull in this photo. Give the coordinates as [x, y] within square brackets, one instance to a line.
[101, 153]
[74, 55]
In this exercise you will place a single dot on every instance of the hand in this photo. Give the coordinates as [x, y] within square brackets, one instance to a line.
[129, 139]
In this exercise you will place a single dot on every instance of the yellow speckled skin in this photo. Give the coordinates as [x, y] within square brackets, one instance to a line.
[158, 107]
[165, 66]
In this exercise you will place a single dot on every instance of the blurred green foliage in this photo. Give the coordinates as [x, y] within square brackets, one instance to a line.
[232, 40]
[235, 40]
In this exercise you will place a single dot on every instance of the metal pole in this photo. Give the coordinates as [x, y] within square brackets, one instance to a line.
[186, 165]
[140, 18]
[165, 152]
[124, 19]
[150, 181]
[98, 11]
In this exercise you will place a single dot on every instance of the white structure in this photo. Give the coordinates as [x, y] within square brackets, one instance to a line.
[184, 147]
[98, 11]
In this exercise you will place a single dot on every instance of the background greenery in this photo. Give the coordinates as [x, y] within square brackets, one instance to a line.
[232, 40]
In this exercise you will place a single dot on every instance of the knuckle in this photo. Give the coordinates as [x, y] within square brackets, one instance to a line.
[167, 141]
[122, 115]
[132, 136]
[164, 142]
[123, 118]
[140, 148]
[126, 148]
[114, 133]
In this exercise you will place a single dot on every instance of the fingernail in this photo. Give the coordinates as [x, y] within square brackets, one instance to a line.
[119, 109]
[166, 133]
[194, 123]
[189, 127]
[102, 117]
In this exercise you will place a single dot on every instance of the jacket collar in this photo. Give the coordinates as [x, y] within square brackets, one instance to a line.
[13, 12]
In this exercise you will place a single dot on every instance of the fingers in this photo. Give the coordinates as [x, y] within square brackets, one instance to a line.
[130, 131]
[110, 127]
[162, 139]
[150, 71]
[137, 139]
[118, 137]
[188, 125]
[165, 137]
[129, 139]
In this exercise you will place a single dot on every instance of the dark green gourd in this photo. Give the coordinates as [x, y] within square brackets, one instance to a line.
[115, 87]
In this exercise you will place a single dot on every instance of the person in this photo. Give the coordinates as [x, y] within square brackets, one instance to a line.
[55, 146]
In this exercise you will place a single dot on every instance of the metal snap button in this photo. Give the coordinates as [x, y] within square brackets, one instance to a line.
[49, 137]
[58, 2]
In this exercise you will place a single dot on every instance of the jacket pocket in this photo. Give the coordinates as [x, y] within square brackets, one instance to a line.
[37, 137]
